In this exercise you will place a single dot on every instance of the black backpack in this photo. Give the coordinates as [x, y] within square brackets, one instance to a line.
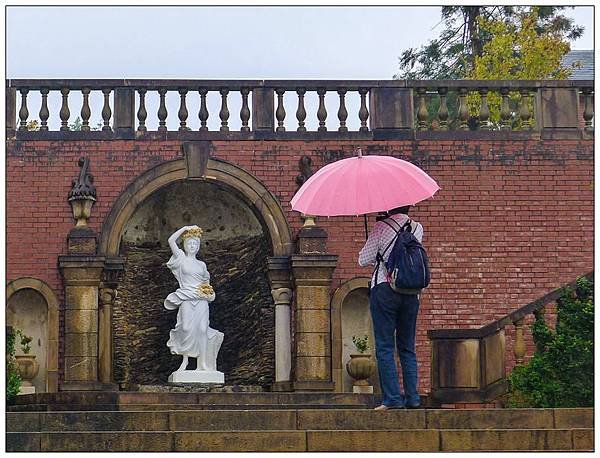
[408, 265]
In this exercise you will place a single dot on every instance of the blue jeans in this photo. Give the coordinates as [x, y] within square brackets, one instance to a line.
[394, 313]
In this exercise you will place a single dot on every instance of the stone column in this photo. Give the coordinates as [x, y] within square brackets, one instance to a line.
[113, 269]
[281, 289]
[313, 270]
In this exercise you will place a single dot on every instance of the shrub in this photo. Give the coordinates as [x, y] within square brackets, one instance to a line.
[561, 372]
[13, 379]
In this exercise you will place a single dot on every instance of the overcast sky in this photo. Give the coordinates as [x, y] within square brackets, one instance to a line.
[222, 42]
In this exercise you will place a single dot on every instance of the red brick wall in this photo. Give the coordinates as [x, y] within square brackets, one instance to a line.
[513, 220]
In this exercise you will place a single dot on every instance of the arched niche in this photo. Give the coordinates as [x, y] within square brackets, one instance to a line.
[33, 307]
[350, 316]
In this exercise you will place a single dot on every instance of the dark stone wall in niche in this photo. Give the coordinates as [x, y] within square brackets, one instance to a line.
[243, 311]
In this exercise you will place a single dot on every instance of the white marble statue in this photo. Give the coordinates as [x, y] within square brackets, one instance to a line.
[192, 335]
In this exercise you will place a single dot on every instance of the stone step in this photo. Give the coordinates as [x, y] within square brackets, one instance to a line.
[299, 419]
[429, 440]
[166, 407]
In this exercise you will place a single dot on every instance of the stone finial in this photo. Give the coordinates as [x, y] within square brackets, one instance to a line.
[82, 187]
[83, 194]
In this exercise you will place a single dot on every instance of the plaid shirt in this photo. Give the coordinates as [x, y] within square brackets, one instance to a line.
[379, 238]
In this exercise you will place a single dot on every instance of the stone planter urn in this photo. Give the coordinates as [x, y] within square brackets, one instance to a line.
[360, 368]
[28, 370]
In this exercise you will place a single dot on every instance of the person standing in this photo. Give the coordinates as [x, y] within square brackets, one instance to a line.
[394, 314]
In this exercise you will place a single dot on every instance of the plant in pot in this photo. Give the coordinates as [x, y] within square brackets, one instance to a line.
[361, 366]
[13, 379]
[28, 366]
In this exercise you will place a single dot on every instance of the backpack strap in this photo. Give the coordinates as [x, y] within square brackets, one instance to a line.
[379, 256]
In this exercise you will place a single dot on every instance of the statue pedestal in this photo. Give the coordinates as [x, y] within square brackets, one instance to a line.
[197, 377]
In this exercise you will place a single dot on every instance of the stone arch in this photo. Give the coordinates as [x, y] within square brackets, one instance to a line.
[53, 323]
[338, 299]
[246, 185]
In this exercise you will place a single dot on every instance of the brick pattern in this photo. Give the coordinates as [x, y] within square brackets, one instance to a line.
[513, 219]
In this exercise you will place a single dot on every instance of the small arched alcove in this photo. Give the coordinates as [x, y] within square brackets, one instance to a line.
[351, 317]
[32, 307]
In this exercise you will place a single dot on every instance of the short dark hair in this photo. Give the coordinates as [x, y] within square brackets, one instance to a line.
[395, 211]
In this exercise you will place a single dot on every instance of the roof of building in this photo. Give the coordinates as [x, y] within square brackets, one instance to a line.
[584, 60]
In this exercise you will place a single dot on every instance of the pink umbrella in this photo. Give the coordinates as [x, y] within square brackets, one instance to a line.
[363, 184]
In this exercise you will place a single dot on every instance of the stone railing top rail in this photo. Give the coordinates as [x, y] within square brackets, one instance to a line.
[511, 318]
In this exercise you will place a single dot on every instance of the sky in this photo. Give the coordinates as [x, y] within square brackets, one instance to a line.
[226, 42]
[268, 42]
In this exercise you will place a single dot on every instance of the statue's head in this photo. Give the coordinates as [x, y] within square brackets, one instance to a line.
[191, 240]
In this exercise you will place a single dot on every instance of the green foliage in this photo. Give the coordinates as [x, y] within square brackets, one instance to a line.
[13, 379]
[452, 54]
[25, 341]
[361, 343]
[561, 373]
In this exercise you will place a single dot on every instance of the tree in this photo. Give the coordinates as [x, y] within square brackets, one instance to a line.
[452, 54]
[519, 49]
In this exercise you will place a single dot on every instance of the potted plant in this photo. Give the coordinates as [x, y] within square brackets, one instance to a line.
[28, 366]
[13, 379]
[361, 366]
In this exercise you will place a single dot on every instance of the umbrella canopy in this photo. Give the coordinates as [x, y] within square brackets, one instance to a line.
[363, 184]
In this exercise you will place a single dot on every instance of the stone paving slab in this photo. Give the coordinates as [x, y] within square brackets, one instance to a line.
[335, 419]
[373, 441]
[490, 418]
[506, 440]
[240, 441]
[211, 420]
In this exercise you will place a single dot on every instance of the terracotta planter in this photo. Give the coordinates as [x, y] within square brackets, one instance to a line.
[360, 367]
[28, 368]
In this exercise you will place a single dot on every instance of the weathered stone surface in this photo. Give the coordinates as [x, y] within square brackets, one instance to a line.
[107, 442]
[490, 418]
[80, 321]
[81, 344]
[104, 421]
[507, 440]
[361, 419]
[313, 368]
[312, 297]
[583, 439]
[373, 441]
[23, 442]
[22, 421]
[241, 441]
[574, 418]
[226, 420]
[313, 321]
[81, 368]
[243, 311]
[313, 344]
[81, 297]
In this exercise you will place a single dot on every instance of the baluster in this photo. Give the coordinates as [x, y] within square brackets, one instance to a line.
[422, 113]
[443, 111]
[23, 112]
[484, 111]
[588, 111]
[505, 110]
[182, 113]
[321, 112]
[519, 346]
[162, 111]
[280, 112]
[64, 110]
[363, 112]
[245, 111]
[142, 114]
[44, 112]
[224, 113]
[203, 113]
[106, 112]
[342, 112]
[85, 109]
[524, 112]
[301, 111]
[463, 109]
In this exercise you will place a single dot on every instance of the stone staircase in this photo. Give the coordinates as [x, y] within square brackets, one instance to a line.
[283, 422]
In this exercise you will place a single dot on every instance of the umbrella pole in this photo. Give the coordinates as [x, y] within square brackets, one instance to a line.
[366, 228]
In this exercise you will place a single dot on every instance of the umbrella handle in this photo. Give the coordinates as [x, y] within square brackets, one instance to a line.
[366, 228]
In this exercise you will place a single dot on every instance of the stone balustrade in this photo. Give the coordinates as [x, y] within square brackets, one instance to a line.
[278, 109]
[469, 365]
